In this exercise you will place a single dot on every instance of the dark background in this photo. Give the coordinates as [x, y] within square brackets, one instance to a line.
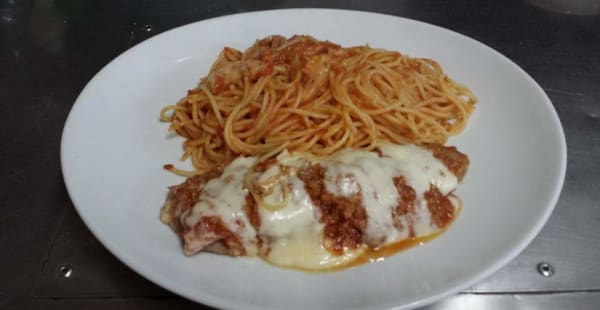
[50, 49]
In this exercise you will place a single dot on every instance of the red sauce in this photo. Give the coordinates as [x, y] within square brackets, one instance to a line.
[372, 255]
[168, 167]
[344, 217]
[406, 204]
[440, 207]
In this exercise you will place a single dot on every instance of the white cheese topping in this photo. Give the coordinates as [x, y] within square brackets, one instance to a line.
[293, 234]
[372, 175]
[350, 171]
[420, 168]
[225, 197]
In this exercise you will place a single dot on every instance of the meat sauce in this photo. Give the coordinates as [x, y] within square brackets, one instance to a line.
[406, 204]
[308, 58]
[344, 217]
[350, 209]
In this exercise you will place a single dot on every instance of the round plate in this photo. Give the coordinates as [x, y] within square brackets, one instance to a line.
[114, 147]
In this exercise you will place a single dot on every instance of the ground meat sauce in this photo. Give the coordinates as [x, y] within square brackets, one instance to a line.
[454, 160]
[440, 207]
[266, 164]
[183, 196]
[344, 217]
[406, 204]
[251, 211]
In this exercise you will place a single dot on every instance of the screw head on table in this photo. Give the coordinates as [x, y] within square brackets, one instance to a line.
[65, 271]
[545, 269]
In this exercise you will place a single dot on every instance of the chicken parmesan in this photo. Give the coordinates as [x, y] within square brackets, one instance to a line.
[319, 213]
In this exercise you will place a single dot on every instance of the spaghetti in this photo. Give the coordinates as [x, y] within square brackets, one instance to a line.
[317, 97]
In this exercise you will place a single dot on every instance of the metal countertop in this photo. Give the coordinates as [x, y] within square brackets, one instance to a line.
[50, 49]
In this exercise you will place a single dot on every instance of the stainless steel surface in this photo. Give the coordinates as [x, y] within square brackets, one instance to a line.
[49, 49]
[96, 273]
[578, 7]
[558, 301]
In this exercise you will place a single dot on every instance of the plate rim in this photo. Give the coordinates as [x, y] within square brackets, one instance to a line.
[217, 301]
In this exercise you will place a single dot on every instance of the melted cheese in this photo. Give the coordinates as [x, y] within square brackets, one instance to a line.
[350, 171]
[293, 234]
[224, 197]
[420, 168]
[373, 176]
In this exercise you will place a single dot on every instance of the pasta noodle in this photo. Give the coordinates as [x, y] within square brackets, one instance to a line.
[306, 95]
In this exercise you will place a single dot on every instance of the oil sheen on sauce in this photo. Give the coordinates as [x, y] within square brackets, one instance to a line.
[375, 255]
[293, 232]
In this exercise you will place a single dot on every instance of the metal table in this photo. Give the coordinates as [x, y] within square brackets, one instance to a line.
[50, 49]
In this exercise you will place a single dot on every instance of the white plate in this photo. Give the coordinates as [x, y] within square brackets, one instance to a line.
[114, 147]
